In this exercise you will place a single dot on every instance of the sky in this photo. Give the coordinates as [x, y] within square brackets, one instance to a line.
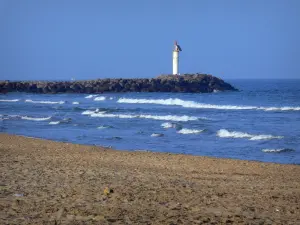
[89, 39]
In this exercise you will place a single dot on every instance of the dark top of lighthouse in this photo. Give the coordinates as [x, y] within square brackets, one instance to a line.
[177, 48]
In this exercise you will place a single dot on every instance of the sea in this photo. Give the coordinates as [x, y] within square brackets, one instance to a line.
[260, 122]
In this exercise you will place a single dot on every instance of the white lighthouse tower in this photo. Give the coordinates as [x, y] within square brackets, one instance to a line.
[176, 51]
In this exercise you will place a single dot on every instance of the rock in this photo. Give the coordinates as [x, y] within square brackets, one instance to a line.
[108, 191]
[195, 83]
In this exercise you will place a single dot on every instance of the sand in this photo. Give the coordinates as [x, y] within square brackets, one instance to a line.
[46, 182]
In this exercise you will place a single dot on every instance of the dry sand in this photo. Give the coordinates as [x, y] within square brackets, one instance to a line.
[46, 182]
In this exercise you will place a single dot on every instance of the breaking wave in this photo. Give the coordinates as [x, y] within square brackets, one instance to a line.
[35, 118]
[54, 122]
[101, 98]
[278, 150]
[104, 127]
[91, 96]
[90, 112]
[144, 116]
[167, 125]
[192, 104]
[9, 100]
[157, 135]
[44, 102]
[189, 131]
[75, 103]
[235, 134]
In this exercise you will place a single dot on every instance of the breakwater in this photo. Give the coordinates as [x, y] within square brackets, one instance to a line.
[194, 83]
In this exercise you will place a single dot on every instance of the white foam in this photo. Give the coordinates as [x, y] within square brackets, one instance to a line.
[12, 116]
[157, 135]
[284, 108]
[44, 102]
[235, 134]
[192, 104]
[35, 119]
[169, 117]
[189, 131]
[277, 150]
[54, 122]
[75, 103]
[9, 100]
[122, 116]
[154, 117]
[101, 98]
[167, 125]
[103, 127]
[90, 96]
[90, 112]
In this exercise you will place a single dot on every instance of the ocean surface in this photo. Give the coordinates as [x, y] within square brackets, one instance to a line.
[260, 122]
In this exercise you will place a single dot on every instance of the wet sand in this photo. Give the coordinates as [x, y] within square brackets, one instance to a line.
[46, 182]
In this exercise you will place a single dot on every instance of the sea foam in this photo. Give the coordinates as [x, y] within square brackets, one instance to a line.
[90, 112]
[44, 102]
[91, 96]
[35, 118]
[144, 116]
[75, 103]
[192, 104]
[236, 134]
[278, 150]
[104, 127]
[101, 98]
[9, 100]
[189, 131]
[54, 122]
[167, 125]
[157, 135]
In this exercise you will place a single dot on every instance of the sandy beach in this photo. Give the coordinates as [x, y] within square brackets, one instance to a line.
[46, 182]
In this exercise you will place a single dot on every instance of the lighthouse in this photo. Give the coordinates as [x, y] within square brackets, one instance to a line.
[176, 51]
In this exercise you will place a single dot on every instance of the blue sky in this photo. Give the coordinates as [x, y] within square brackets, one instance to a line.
[90, 39]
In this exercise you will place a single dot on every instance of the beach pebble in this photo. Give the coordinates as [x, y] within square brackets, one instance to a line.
[108, 191]
[18, 195]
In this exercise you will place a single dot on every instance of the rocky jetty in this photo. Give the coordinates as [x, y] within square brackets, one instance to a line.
[195, 83]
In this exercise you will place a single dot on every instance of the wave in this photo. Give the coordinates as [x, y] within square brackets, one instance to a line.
[54, 122]
[9, 100]
[35, 118]
[167, 125]
[235, 134]
[91, 96]
[284, 108]
[114, 138]
[104, 127]
[278, 150]
[7, 117]
[192, 104]
[75, 103]
[157, 135]
[77, 108]
[189, 131]
[91, 112]
[154, 117]
[101, 98]
[44, 102]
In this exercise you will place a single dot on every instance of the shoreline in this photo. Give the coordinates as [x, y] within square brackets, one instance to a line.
[50, 182]
[149, 151]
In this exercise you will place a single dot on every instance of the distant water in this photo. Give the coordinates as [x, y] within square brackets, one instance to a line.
[261, 122]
